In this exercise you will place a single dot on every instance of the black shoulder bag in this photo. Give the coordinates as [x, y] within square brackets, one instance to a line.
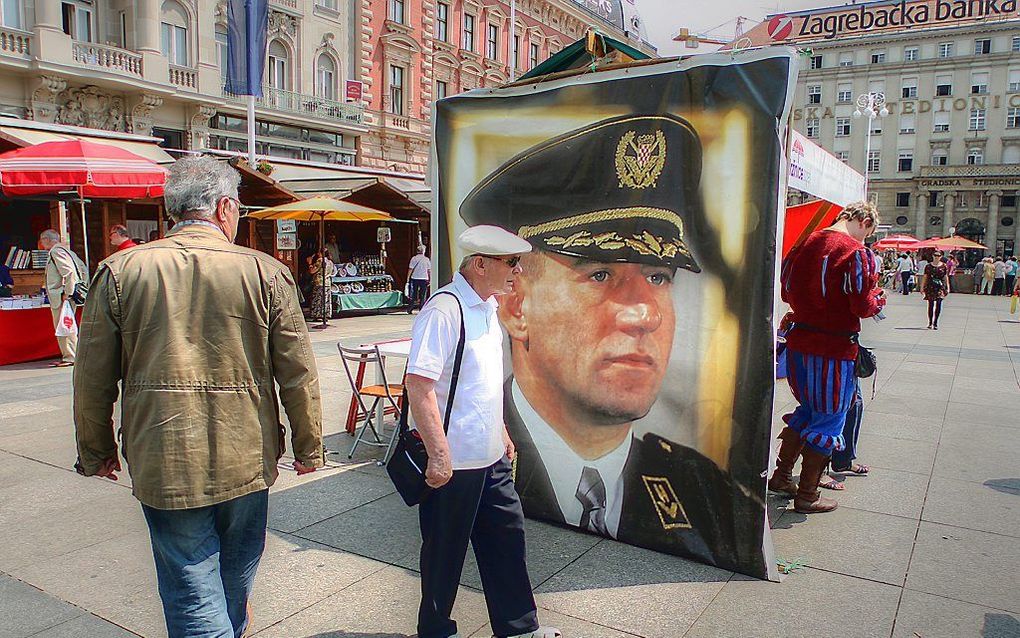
[866, 363]
[406, 466]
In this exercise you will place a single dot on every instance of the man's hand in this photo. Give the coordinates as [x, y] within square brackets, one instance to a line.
[109, 467]
[439, 471]
[508, 444]
[301, 468]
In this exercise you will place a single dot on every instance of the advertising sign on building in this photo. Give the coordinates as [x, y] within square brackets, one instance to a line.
[816, 171]
[642, 198]
[353, 90]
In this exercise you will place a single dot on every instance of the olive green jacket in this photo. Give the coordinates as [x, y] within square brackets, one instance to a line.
[195, 330]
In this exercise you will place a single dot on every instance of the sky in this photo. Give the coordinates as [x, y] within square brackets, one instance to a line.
[664, 18]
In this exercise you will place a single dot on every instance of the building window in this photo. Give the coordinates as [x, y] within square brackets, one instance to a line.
[843, 156]
[441, 90]
[279, 66]
[940, 158]
[121, 28]
[982, 46]
[946, 50]
[902, 201]
[1011, 154]
[908, 89]
[812, 127]
[515, 54]
[979, 199]
[977, 119]
[877, 57]
[910, 54]
[1008, 201]
[397, 11]
[901, 220]
[943, 85]
[975, 156]
[328, 4]
[941, 121]
[443, 22]
[492, 43]
[1014, 81]
[874, 161]
[934, 201]
[907, 123]
[77, 20]
[533, 56]
[905, 162]
[876, 126]
[397, 90]
[325, 77]
[978, 83]
[468, 42]
[814, 94]
[173, 34]
[844, 94]
[1013, 118]
[1015, 46]
[846, 59]
[816, 61]
[10, 13]
[842, 126]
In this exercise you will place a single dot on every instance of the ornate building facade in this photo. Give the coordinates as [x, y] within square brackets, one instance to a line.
[946, 157]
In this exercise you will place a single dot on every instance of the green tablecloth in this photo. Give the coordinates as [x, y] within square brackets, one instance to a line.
[368, 301]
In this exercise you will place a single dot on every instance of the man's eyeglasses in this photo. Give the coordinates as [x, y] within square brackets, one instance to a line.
[509, 261]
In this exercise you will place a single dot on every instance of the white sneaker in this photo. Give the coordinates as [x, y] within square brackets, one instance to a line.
[541, 632]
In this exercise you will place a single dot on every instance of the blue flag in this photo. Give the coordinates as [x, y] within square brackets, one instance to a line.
[247, 23]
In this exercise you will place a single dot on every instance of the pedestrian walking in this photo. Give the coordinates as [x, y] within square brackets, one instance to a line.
[1011, 269]
[199, 334]
[987, 276]
[905, 269]
[469, 466]
[831, 284]
[951, 265]
[64, 270]
[419, 273]
[999, 272]
[935, 286]
[321, 278]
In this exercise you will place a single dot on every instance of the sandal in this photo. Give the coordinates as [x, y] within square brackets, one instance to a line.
[856, 468]
[829, 483]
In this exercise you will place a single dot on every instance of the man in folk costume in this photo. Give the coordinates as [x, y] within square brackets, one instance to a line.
[830, 282]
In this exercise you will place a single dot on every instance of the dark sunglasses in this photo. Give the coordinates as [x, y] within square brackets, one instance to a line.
[509, 261]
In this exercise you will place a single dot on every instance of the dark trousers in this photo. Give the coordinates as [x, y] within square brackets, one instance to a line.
[844, 459]
[480, 506]
[997, 285]
[206, 560]
[905, 276]
[934, 310]
[1010, 281]
[419, 289]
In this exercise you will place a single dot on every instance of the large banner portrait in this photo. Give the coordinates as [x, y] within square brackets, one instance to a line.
[640, 368]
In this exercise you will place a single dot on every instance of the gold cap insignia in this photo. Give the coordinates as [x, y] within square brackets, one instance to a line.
[640, 159]
[667, 505]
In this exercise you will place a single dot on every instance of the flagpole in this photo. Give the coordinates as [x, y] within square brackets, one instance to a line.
[513, 34]
[251, 131]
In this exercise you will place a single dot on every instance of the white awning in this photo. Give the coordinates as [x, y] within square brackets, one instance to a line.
[32, 136]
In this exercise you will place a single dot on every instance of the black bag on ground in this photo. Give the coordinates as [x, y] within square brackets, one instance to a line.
[407, 465]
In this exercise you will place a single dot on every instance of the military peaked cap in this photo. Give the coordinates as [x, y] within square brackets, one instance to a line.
[617, 190]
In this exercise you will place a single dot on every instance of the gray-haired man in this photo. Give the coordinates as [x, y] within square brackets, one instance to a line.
[64, 270]
[198, 332]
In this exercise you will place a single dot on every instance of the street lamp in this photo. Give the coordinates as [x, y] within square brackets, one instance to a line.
[872, 105]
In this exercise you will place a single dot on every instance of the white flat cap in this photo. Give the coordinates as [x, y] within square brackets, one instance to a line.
[491, 240]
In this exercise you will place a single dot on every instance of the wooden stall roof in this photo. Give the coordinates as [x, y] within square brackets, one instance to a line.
[375, 192]
[261, 190]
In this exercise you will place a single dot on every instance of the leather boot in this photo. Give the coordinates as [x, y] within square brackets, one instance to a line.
[789, 450]
[809, 500]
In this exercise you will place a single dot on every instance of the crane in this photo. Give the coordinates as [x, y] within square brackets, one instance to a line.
[692, 40]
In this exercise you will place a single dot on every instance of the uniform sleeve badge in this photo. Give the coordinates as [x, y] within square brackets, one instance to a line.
[667, 505]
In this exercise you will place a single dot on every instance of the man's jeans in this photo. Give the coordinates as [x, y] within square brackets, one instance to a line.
[206, 559]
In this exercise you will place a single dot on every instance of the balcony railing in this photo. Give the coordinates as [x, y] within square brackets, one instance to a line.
[15, 42]
[301, 104]
[107, 58]
[970, 170]
[184, 77]
[290, 4]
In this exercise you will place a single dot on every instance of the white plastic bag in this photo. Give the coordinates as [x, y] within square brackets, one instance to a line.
[66, 323]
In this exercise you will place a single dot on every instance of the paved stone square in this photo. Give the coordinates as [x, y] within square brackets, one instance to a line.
[925, 547]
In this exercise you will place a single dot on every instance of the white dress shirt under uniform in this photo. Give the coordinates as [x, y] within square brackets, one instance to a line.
[564, 466]
[476, 423]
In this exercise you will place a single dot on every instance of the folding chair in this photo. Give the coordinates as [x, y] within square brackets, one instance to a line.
[384, 391]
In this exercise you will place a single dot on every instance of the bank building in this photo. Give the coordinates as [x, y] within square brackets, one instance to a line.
[944, 150]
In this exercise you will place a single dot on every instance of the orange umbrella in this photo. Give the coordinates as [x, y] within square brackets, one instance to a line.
[955, 242]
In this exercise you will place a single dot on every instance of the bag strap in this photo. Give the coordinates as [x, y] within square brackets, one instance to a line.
[74, 262]
[458, 359]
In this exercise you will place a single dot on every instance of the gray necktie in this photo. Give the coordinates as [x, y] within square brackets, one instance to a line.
[591, 492]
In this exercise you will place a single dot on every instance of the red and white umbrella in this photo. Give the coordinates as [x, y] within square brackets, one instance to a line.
[896, 242]
[90, 169]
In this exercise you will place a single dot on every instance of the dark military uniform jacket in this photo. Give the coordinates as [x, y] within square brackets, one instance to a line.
[675, 499]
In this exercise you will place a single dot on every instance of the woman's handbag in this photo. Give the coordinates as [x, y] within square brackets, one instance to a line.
[407, 465]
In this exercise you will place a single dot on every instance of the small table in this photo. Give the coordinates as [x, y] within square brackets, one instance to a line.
[395, 348]
[26, 334]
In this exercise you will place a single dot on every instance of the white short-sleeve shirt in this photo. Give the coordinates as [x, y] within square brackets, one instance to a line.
[476, 422]
[420, 267]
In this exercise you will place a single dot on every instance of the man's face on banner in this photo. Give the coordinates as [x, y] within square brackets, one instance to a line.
[598, 334]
